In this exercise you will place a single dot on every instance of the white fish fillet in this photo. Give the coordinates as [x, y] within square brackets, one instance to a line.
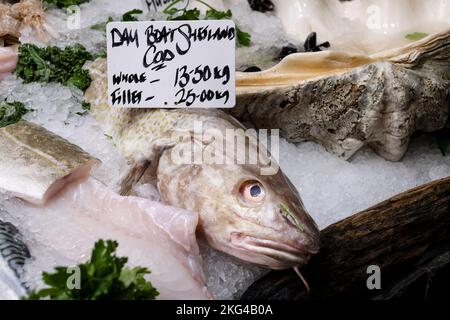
[150, 234]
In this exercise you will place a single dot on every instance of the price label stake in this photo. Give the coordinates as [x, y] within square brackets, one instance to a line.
[172, 64]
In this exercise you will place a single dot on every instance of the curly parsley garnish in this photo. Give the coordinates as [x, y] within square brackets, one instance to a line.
[104, 277]
[53, 64]
[11, 112]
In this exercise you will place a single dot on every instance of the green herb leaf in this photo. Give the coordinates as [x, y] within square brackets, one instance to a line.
[11, 112]
[86, 106]
[171, 10]
[66, 3]
[192, 14]
[242, 38]
[213, 14]
[102, 26]
[130, 15]
[103, 277]
[53, 64]
[416, 36]
[80, 79]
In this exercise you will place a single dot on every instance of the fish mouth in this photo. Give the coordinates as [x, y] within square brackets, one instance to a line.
[287, 254]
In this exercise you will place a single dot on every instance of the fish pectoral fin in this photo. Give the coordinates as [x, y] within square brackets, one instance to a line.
[144, 171]
[133, 176]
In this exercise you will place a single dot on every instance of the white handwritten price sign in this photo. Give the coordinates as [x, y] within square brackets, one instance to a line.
[172, 64]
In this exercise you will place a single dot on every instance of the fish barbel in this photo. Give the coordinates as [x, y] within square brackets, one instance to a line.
[244, 211]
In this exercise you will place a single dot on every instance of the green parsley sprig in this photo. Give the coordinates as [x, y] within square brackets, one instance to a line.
[103, 277]
[66, 3]
[11, 112]
[53, 64]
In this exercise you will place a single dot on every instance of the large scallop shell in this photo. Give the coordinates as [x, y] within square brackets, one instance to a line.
[360, 96]
[345, 101]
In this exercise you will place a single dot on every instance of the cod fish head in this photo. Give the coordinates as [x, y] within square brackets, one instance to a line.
[265, 221]
[257, 218]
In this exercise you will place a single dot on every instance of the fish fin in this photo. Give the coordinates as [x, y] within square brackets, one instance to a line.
[143, 172]
[133, 176]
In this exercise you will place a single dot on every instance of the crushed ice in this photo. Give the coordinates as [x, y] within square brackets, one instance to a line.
[333, 189]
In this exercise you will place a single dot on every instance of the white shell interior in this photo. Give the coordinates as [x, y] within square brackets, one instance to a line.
[359, 26]
[364, 26]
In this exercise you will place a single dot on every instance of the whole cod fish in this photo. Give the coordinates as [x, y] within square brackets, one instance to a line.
[243, 211]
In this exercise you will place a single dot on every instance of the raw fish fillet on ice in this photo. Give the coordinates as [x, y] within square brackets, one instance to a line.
[150, 234]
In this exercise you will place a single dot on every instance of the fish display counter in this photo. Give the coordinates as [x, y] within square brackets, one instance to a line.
[338, 172]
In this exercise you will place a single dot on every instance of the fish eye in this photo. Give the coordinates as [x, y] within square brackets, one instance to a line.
[252, 192]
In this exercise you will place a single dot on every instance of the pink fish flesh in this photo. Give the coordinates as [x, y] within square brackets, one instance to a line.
[150, 234]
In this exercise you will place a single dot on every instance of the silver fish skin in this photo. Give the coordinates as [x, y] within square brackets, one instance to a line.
[275, 231]
[13, 255]
[36, 163]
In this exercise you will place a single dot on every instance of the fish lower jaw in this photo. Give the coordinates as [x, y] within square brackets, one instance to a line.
[268, 253]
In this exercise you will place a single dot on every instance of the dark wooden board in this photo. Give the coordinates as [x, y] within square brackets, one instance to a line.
[407, 236]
